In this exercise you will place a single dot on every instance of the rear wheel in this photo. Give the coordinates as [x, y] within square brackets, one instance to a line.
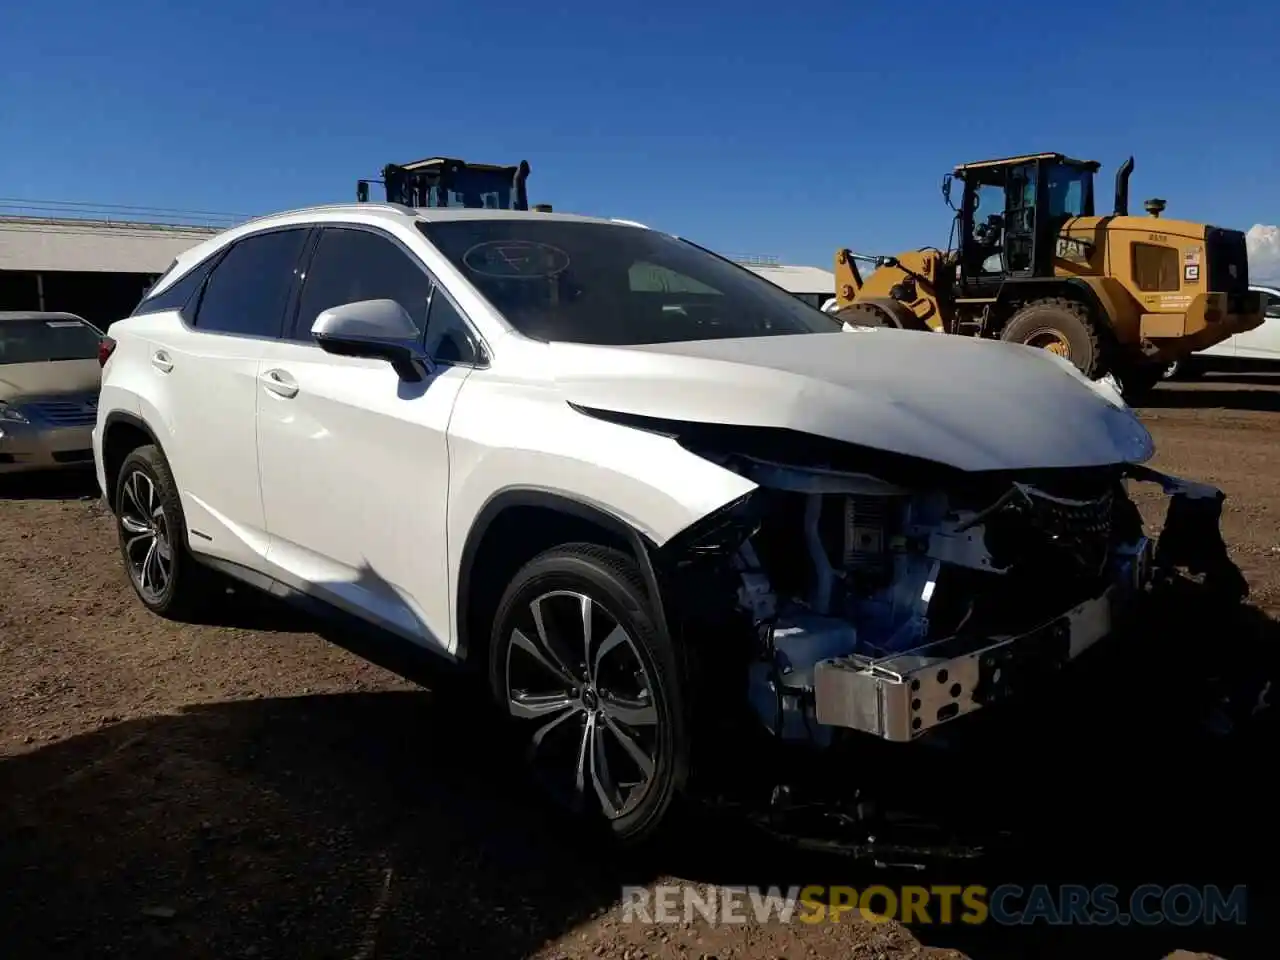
[1060, 326]
[153, 537]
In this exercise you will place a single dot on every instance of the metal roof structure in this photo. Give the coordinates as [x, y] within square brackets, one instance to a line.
[46, 244]
[94, 246]
[795, 279]
[1027, 158]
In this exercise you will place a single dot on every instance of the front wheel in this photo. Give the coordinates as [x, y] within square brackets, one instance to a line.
[590, 682]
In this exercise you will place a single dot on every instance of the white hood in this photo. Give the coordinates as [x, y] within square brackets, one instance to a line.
[968, 403]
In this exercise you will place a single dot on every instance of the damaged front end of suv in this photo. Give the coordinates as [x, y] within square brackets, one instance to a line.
[861, 597]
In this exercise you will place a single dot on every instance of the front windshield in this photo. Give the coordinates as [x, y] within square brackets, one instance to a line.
[43, 340]
[1070, 191]
[478, 189]
[611, 284]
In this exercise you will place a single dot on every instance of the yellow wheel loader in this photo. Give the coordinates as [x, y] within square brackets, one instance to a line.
[1030, 261]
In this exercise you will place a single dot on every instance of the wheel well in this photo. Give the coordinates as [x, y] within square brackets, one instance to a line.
[121, 439]
[511, 539]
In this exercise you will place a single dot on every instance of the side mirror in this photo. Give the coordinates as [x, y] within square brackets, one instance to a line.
[374, 328]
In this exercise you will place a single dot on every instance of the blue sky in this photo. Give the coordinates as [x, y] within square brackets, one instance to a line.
[779, 129]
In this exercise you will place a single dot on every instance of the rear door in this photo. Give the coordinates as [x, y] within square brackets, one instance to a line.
[206, 373]
[355, 461]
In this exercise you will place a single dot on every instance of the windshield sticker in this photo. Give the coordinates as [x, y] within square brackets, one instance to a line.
[516, 260]
[62, 323]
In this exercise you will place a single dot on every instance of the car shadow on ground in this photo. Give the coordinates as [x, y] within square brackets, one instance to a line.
[318, 826]
[1267, 376]
[393, 824]
[1168, 397]
[1232, 370]
[78, 484]
[1127, 797]
[377, 825]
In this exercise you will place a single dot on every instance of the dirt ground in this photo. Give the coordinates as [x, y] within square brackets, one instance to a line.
[252, 789]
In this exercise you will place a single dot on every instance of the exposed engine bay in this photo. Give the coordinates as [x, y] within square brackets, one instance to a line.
[891, 609]
[856, 602]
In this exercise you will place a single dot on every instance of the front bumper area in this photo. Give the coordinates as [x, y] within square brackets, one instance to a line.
[905, 695]
[28, 446]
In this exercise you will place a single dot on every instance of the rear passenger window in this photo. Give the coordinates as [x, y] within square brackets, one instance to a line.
[178, 295]
[247, 293]
[351, 265]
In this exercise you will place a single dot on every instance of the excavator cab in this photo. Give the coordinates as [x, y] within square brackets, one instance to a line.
[446, 182]
[1012, 211]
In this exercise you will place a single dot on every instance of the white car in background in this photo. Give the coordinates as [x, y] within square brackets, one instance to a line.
[1260, 343]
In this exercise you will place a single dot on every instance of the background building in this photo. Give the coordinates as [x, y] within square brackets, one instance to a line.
[98, 266]
[813, 285]
[93, 268]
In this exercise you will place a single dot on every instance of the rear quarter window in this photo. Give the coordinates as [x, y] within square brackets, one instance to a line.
[177, 296]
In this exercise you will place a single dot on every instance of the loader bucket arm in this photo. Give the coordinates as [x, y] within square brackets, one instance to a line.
[848, 277]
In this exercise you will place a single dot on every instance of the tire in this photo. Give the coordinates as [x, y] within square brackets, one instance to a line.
[1137, 382]
[1183, 370]
[601, 709]
[1062, 325]
[153, 538]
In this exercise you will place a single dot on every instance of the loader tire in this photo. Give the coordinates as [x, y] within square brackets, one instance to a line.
[1062, 326]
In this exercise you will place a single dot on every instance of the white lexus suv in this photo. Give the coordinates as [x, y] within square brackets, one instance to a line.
[652, 498]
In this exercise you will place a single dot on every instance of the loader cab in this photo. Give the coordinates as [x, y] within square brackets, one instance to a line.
[445, 182]
[1011, 212]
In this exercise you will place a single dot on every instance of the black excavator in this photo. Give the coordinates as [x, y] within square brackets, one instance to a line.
[448, 182]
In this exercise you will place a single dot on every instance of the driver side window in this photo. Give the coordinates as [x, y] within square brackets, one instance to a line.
[351, 264]
[1271, 306]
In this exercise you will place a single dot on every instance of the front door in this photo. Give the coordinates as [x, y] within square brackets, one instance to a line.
[355, 461]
